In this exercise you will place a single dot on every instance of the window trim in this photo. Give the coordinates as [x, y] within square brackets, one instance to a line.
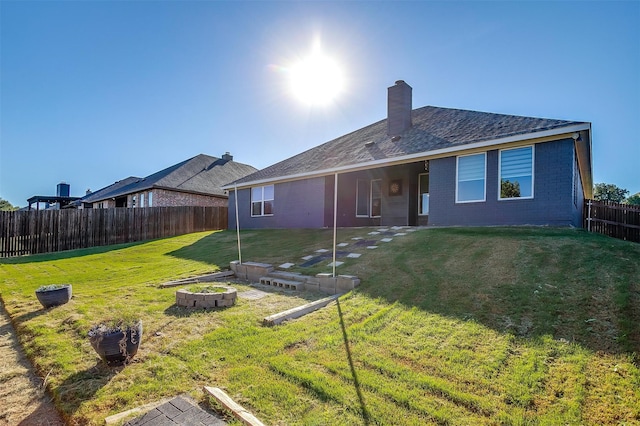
[261, 201]
[484, 186]
[533, 162]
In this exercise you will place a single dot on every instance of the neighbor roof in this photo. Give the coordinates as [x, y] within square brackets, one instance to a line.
[434, 130]
[202, 174]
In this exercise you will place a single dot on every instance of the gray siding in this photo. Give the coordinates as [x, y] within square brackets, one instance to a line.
[298, 204]
[553, 202]
[558, 196]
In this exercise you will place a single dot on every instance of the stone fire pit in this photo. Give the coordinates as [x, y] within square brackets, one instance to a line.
[207, 297]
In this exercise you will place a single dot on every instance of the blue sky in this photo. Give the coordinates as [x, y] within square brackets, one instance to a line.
[93, 92]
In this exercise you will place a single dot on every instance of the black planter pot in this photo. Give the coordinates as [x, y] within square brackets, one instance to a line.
[54, 297]
[116, 347]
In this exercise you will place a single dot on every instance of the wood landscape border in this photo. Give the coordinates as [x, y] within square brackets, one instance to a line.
[48, 231]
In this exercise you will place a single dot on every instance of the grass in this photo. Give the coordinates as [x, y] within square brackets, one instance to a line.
[449, 326]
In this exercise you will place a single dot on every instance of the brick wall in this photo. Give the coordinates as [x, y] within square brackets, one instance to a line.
[165, 198]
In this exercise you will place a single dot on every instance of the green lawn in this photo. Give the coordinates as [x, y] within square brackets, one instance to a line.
[449, 326]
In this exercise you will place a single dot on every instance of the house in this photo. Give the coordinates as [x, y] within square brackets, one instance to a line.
[196, 181]
[53, 202]
[427, 166]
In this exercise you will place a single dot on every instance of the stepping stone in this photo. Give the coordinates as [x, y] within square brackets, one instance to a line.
[399, 234]
[308, 257]
[337, 263]
[386, 240]
[373, 233]
[396, 227]
[322, 251]
[286, 265]
[372, 247]
[383, 230]
[313, 261]
[343, 244]
[253, 294]
[356, 238]
[365, 243]
[354, 255]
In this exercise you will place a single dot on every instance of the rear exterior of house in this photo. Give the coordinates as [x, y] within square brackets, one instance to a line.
[430, 166]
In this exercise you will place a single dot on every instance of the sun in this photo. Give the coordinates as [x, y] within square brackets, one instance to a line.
[316, 79]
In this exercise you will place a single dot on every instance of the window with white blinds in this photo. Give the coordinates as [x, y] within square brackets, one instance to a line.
[516, 173]
[470, 178]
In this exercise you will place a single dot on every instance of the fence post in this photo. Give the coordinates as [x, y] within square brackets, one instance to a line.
[589, 215]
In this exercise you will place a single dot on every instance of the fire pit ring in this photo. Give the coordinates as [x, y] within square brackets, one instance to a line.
[207, 297]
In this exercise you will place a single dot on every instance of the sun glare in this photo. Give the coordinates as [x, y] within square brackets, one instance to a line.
[316, 79]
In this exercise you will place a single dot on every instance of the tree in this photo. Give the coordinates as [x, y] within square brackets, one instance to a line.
[509, 189]
[609, 192]
[6, 206]
[634, 200]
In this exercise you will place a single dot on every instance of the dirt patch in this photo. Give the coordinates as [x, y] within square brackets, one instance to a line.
[24, 400]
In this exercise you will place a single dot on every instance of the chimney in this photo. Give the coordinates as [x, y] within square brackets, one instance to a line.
[227, 156]
[398, 108]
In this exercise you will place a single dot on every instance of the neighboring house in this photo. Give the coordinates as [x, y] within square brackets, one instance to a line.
[53, 202]
[197, 181]
[432, 165]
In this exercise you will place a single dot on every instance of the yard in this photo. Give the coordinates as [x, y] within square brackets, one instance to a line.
[449, 326]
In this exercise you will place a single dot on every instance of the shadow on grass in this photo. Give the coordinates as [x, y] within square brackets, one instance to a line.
[217, 248]
[356, 382]
[68, 254]
[82, 386]
[528, 282]
[31, 315]
[184, 312]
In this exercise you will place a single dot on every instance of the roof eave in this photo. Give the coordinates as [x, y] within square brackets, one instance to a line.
[528, 137]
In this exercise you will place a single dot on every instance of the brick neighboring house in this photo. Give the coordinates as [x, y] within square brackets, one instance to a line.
[197, 181]
[427, 166]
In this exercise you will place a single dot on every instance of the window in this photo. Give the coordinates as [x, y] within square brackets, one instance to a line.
[470, 180]
[516, 173]
[362, 198]
[423, 194]
[150, 199]
[376, 197]
[142, 200]
[134, 202]
[368, 198]
[262, 201]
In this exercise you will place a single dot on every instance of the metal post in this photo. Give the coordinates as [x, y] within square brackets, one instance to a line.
[238, 225]
[335, 220]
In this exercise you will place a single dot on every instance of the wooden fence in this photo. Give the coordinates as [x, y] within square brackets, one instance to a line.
[613, 219]
[46, 231]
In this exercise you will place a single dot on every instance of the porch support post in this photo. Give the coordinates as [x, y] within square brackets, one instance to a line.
[335, 220]
[238, 225]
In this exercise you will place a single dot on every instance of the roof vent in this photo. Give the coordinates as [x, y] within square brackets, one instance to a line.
[227, 156]
[396, 138]
[369, 144]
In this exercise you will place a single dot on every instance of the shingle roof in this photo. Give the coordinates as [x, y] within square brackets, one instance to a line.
[433, 128]
[110, 191]
[202, 174]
